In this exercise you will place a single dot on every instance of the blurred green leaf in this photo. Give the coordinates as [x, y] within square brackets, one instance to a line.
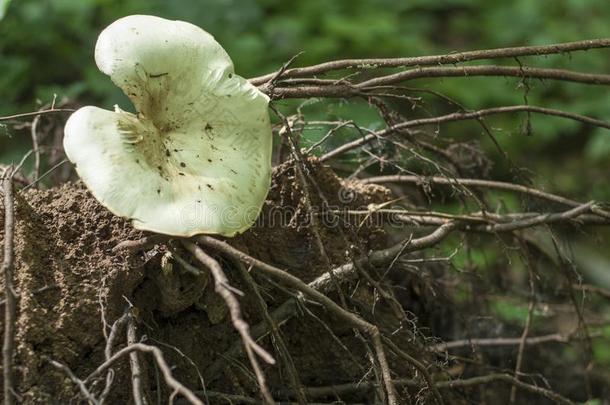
[3, 7]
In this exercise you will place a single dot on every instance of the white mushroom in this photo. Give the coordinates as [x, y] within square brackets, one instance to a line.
[197, 156]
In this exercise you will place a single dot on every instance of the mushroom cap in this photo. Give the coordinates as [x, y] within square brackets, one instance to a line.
[196, 158]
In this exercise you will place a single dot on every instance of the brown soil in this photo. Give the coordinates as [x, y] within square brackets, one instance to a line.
[68, 276]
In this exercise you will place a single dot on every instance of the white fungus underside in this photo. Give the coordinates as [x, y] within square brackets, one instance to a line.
[197, 157]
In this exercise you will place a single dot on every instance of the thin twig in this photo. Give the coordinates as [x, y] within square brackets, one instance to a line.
[479, 183]
[489, 70]
[35, 146]
[35, 113]
[9, 290]
[343, 274]
[45, 174]
[275, 331]
[221, 286]
[82, 386]
[134, 362]
[460, 116]
[502, 341]
[292, 88]
[159, 359]
[528, 322]
[369, 329]
[418, 366]
[115, 329]
[350, 388]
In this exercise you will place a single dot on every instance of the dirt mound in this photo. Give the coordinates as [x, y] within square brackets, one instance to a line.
[69, 280]
[64, 275]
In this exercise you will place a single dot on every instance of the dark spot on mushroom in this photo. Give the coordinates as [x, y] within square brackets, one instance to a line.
[221, 159]
[230, 75]
[233, 171]
[175, 150]
[160, 168]
[181, 174]
[197, 155]
[158, 191]
[199, 188]
[182, 164]
[159, 75]
[210, 160]
[167, 153]
[210, 186]
[199, 201]
[137, 160]
[208, 127]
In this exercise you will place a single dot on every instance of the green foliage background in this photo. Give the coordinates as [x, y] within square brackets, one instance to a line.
[46, 48]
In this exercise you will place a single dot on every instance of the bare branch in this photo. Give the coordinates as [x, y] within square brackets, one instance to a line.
[479, 183]
[351, 388]
[79, 383]
[163, 366]
[221, 286]
[460, 116]
[447, 59]
[491, 70]
[36, 113]
[342, 274]
[294, 282]
[134, 362]
[275, 331]
[35, 146]
[9, 290]
[502, 341]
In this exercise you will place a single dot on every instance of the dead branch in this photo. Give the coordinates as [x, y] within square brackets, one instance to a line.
[161, 363]
[593, 289]
[480, 183]
[36, 113]
[134, 362]
[541, 219]
[221, 286]
[459, 116]
[500, 341]
[82, 386]
[342, 274]
[341, 89]
[488, 70]
[369, 329]
[447, 59]
[350, 388]
[115, 329]
[528, 321]
[35, 146]
[8, 346]
[275, 331]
